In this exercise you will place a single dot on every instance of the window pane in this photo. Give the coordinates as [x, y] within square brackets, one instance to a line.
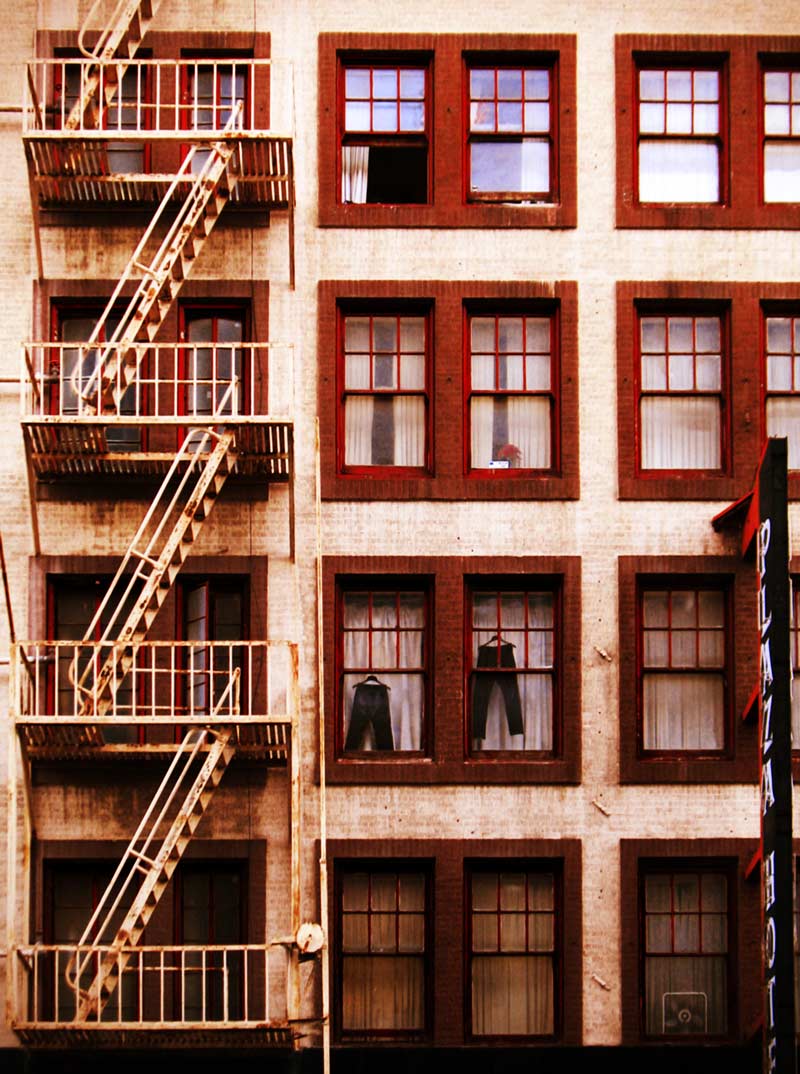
[681, 434]
[679, 171]
[382, 993]
[537, 117]
[685, 996]
[517, 167]
[510, 433]
[683, 711]
[781, 172]
[512, 995]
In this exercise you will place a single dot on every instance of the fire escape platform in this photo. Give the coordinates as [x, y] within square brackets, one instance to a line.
[71, 169]
[70, 447]
[278, 1035]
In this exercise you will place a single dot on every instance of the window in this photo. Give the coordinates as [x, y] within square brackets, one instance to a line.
[683, 665]
[685, 916]
[383, 660]
[511, 131]
[384, 132]
[681, 385]
[211, 360]
[384, 373]
[212, 611]
[74, 367]
[211, 914]
[72, 893]
[511, 400]
[383, 950]
[781, 126]
[513, 939]
[447, 130]
[782, 360]
[680, 134]
[512, 692]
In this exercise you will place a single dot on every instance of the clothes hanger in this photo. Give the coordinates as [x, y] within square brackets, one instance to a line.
[372, 680]
[500, 641]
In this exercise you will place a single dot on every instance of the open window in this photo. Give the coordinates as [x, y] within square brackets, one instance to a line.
[384, 130]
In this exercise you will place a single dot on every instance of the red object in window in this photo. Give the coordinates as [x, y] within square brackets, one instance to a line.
[384, 375]
[512, 388]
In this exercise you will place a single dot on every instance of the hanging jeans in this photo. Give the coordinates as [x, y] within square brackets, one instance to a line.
[506, 683]
[370, 707]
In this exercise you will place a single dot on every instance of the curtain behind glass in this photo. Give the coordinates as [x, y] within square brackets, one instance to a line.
[683, 711]
[681, 433]
[355, 172]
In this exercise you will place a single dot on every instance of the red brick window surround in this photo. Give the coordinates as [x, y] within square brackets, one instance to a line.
[704, 131]
[479, 940]
[690, 970]
[686, 670]
[439, 146]
[434, 710]
[420, 381]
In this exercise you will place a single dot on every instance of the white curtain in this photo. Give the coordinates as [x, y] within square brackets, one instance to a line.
[678, 171]
[536, 697]
[383, 992]
[781, 172]
[528, 424]
[355, 172]
[512, 995]
[783, 419]
[408, 421]
[683, 711]
[681, 433]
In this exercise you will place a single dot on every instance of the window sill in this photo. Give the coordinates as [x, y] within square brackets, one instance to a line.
[358, 487]
[346, 771]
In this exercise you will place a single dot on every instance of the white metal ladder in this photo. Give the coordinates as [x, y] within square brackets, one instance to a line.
[154, 557]
[119, 42]
[150, 858]
[118, 359]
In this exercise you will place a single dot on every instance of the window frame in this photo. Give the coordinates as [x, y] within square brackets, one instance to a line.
[447, 760]
[373, 866]
[743, 58]
[671, 584]
[737, 763]
[554, 868]
[484, 309]
[511, 61]
[448, 478]
[529, 584]
[447, 202]
[400, 309]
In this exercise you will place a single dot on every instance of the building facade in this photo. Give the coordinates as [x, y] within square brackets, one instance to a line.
[466, 322]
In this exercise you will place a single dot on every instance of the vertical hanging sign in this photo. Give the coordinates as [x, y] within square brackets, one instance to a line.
[777, 860]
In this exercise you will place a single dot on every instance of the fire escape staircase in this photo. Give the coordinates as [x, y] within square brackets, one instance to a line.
[118, 42]
[151, 858]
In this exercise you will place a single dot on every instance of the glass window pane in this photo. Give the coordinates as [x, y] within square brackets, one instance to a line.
[658, 892]
[357, 116]
[651, 85]
[679, 85]
[481, 83]
[512, 891]
[679, 171]
[412, 116]
[512, 932]
[654, 372]
[384, 83]
[781, 173]
[779, 335]
[384, 116]
[537, 118]
[679, 119]
[412, 84]
[706, 85]
[653, 330]
[537, 85]
[356, 83]
[509, 85]
[510, 167]
[652, 118]
[484, 890]
[509, 116]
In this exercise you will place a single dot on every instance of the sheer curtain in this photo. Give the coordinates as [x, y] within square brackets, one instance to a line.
[499, 423]
[683, 711]
[681, 433]
[686, 995]
[355, 172]
[374, 437]
[512, 995]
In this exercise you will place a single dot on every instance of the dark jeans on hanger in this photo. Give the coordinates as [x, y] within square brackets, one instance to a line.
[370, 707]
[504, 680]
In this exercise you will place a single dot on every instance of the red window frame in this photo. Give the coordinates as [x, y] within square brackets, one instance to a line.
[473, 311]
[398, 586]
[676, 64]
[374, 312]
[791, 355]
[528, 586]
[374, 136]
[190, 311]
[373, 868]
[674, 868]
[524, 63]
[681, 312]
[671, 586]
[497, 869]
[772, 65]
[97, 588]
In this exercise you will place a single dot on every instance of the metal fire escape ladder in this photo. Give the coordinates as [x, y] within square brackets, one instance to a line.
[152, 562]
[119, 42]
[117, 360]
[150, 859]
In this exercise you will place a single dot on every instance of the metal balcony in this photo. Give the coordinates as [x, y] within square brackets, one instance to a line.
[169, 686]
[128, 152]
[166, 996]
[178, 387]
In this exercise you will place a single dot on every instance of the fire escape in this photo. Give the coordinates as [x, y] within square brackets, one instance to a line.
[115, 406]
